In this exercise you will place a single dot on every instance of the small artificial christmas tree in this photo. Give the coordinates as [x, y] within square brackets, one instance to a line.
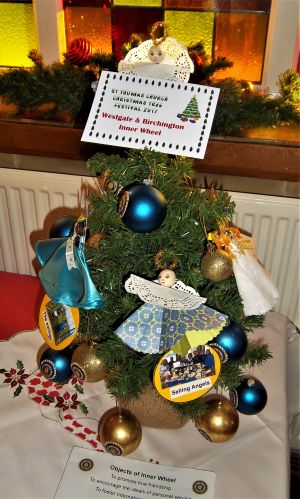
[179, 243]
[169, 288]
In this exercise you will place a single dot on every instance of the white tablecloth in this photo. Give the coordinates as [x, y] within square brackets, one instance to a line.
[35, 447]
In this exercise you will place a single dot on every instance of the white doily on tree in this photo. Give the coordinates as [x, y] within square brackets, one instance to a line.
[163, 57]
[171, 298]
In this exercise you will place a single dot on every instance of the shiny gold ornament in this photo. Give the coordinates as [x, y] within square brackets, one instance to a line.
[221, 422]
[216, 266]
[85, 364]
[119, 432]
[246, 86]
[153, 410]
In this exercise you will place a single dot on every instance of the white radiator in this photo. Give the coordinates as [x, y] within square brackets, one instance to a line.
[31, 201]
[29, 204]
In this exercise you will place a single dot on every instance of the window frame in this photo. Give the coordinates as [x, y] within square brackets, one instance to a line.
[282, 45]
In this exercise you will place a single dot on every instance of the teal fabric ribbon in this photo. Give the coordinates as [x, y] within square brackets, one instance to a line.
[73, 287]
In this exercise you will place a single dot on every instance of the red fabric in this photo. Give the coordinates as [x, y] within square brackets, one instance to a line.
[20, 300]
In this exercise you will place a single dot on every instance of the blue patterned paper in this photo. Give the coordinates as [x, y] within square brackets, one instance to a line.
[153, 329]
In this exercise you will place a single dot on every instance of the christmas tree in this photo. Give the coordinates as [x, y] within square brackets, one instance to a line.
[191, 111]
[118, 247]
[169, 292]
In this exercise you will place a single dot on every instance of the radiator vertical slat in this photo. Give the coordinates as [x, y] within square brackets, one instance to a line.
[30, 222]
[17, 220]
[264, 234]
[290, 273]
[7, 240]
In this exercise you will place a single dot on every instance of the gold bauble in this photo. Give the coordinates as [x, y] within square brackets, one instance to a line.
[220, 422]
[216, 266]
[85, 364]
[119, 432]
[153, 410]
[246, 86]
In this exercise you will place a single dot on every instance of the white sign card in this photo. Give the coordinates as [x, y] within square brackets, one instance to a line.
[91, 474]
[162, 115]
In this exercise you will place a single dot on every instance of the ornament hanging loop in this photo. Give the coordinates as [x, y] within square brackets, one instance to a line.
[158, 261]
[159, 32]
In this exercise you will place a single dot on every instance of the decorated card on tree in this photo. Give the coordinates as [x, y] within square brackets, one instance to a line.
[137, 112]
[149, 104]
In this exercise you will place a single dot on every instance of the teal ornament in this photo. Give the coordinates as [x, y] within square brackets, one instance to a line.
[142, 208]
[231, 343]
[154, 329]
[55, 365]
[73, 287]
[63, 227]
[250, 397]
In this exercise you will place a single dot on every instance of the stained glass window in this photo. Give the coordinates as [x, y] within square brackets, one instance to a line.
[236, 29]
[93, 23]
[18, 33]
[138, 3]
[132, 20]
[188, 26]
[242, 38]
[190, 4]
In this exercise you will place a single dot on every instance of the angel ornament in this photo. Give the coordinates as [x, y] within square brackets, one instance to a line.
[65, 275]
[173, 316]
[257, 290]
[167, 278]
[160, 57]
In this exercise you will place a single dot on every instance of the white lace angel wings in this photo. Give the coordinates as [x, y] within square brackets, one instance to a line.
[171, 298]
[168, 60]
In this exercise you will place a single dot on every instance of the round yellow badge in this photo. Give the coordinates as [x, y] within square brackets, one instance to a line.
[58, 323]
[181, 378]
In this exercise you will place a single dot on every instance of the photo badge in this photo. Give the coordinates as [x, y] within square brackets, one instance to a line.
[58, 323]
[181, 378]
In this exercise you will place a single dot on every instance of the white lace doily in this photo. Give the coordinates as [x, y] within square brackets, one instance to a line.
[174, 63]
[183, 287]
[186, 289]
[171, 298]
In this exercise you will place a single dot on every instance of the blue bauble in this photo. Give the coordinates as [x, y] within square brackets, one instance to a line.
[55, 365]
[142, 208]
[250, 397]
[63, 227]
[231, 343]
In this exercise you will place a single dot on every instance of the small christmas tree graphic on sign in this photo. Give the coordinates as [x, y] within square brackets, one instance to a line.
[191, 111]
